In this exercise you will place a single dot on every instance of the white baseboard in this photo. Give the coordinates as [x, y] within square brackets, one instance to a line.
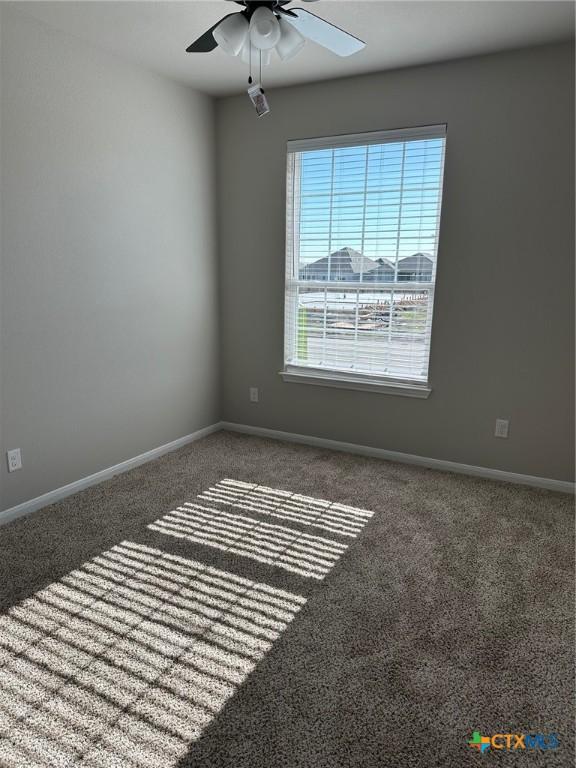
[405, 458]
[104, 474]
[380, 453]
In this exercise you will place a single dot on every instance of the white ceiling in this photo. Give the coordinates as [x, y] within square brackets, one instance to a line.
[398, 34]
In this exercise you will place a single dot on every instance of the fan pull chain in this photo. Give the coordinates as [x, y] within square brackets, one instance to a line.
[256, 92]
[261, 86]
[250, 79]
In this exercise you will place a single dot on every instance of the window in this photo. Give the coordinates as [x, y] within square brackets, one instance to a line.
[363, 215]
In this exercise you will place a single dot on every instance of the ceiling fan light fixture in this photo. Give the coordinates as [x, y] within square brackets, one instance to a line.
[291, 41]
[232, 33]
[264, 29]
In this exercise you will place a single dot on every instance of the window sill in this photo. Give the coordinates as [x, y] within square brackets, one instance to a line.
[355, 381]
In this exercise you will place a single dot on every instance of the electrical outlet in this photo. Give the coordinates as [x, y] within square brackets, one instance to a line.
[14, 460]
[502, 427]
[254, 395]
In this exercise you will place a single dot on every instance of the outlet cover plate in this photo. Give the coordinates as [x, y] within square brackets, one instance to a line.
[14, 458]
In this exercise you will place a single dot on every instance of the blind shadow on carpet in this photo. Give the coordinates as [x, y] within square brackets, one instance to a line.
[125, 660]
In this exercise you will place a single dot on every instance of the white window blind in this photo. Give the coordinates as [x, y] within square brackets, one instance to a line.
[363, 216]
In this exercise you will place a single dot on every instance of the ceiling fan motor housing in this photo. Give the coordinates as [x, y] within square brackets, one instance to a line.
[251, 5]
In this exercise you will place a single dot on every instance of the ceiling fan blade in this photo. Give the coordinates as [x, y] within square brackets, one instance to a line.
[285, 12]
[206, 42]
[322, 32]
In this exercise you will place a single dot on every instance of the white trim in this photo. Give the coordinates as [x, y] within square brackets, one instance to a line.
[104, 474]
[384, 386]
[551, 484]
[58, 494]
[369, 137]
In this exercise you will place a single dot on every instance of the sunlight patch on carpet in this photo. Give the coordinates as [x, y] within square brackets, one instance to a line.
[124, 661]
[289, 548]
[330, 516]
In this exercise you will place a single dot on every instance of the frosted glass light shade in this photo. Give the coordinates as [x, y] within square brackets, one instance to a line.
[264, 29]
[291, 41]
[232, 33]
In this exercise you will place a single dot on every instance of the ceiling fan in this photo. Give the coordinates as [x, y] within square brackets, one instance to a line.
[266, 25]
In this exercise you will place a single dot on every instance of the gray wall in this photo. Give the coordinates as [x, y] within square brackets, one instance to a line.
[502, 343]
[108, 272]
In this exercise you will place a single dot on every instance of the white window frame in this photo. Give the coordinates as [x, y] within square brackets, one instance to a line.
[333, 378]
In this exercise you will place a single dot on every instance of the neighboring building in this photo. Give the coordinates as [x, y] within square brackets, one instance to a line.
[417, 267]
[348, 264]
[384, 272]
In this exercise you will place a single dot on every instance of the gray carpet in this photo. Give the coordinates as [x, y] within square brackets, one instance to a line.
[252, 604]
